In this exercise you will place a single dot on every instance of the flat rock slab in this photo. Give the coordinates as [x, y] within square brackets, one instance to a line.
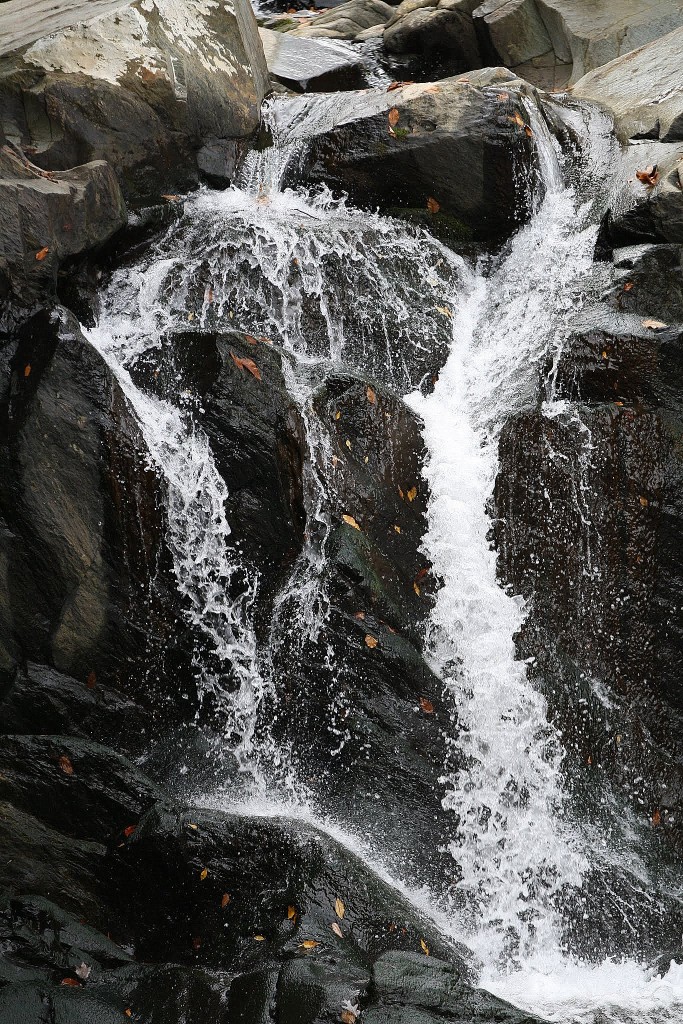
[24, 21]
[307, 62]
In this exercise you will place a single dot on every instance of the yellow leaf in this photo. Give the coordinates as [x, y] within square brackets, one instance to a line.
[309, 944]
[444, 310]
[348, 444]
[337, 415]
[371, 641]
[225, 899]
[291, 913]
[425, 947]
[337, 930]
[412, 494]
[191, 824]
[397, 528]
[372, 397]
[338, 905]
[204, 872]
[416, 589]
[350, 521]
[259, 938]
[644, 502]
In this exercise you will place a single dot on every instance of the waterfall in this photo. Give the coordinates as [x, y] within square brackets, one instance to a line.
[336, 288]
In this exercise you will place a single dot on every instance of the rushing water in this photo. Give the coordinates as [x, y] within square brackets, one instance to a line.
[313, 274]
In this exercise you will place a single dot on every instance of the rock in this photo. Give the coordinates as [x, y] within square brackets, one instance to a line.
[46, 218]
[347, 20]
[23, 23]
[83, 527]
[434, 31]
[144, 87]
[442, 135]
[641, 90]
[516, 29]
[309, 65]
[650, 211]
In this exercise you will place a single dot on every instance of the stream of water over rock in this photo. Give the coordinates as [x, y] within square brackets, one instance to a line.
[343, 290]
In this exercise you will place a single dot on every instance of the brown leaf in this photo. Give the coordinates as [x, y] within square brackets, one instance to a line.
[170, 198]
[309, 944]
[528, 131]
[291, 913]
[421, 574]
[128, 1012]
[266, 341]
[399, 85]
[372, 397]
[628, 286]
[246, 364]
[350, 521]
[412, 494]
[337, 930]
[502, 96]
[339, 908]
[359, 615]
[426, 706]
[425, 947]
[42, 253]
[649, 176]
[225, 899]
[27, 370]
[66, 765]
[654, 325]
[91, 680]
[74, 982]
[128, 831]
[644, 502]
[432, 205]
[251, 339]
[656, 817]
[394, 117]
[371, 641]
[518, 120]
[348, 1017]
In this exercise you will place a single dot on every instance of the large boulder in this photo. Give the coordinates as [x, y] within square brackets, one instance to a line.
[154, 88]
[347, 21]
[453, 148]
[309, 65]
[435, 29]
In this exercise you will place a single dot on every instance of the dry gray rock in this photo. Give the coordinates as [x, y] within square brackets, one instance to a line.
[346, 21]
[309, 63]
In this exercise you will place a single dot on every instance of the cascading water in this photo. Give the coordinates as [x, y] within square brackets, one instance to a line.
[337, 288]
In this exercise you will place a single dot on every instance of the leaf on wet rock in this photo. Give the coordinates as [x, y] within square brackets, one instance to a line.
[370, 640]
[502, 96]
[528, 131]
[444, 310]
[416, 589]
[399, 85]
[644, 502]
[628, 286]
[291, 913]
[27, 370]
[309, 944]
[74, 982]
[203, 873]
[225, 900]
[648, 176]
[397, 528]
[432, 205]
[348, 1017]
[350, 521]
[339, 908]
[128, 831]
[412, 494]
[425, 947]
[91, 680]
[656, 817]
[337, 415]
[426, 706]
[192, 825]
[246, 364]
[66, 765]
[348, 444]
[208, 294]
[42, 253]
[251, 339]
[169, 197]
[359, 615]
[394, 117]
[337, 930]
[654, 325]
[517, 119]
[372, 397]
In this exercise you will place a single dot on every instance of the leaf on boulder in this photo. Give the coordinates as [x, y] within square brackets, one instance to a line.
[656, 817]
[350, 521]
[412, 494]
[337, 930]
[66, 765]
[425, 947]
[426, 706]
[91, 680]
[502, 96]
[225, 900]
[654, 325]
[371, 641]
[42, 253]
[169, 197]
[74, 982]
[372, 397]
[432, 205]
[83, 971]
[397, 528]
[203, 873]
[628, 286]
[27, 370]
[394, 117]
[348, 1017]
[291, 913]
[649, 176]
[309, 944]
[128, 831]
[444, 310]
[246, 364]
[399, 85]
[259, 938]
[416, 589]
[644, 502]
[339, 908]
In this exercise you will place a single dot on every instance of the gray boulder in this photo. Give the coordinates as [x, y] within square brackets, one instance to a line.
[430, 29]
[309, 64]
[346, 21]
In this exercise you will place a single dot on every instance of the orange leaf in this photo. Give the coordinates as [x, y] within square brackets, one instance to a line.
[246, 364]
[371, 641]
[74, 982]
[66, 765]
[628, 286]
[372, 397]
[309, 944]
[225, 899]
[528, 131]
[27, 370]
[394, 117]
[291, 913]
[128, 831]
[656, 817]
[203, 873]
[251, 339]
[359, 615]
[348, 1017]
[502, 96]
[412, 494]
[426, 706]
[42, 253]
[649, 176]
[432, 205]
[350, 521]
[398, 85]
[128, 1012]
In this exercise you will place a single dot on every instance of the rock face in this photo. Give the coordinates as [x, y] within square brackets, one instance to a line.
[347, 21]
[435, 29]
[145, 88]
[550, 41]
[46, 217]
[396, 150]
[310, 66]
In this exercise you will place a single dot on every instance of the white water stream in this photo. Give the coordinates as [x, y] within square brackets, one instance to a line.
[366, 295]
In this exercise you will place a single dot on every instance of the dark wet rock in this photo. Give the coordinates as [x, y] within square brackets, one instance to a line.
[145, 87]
[309, 66]
[86, 584]
[644, 212]
[648, 282]
[455, 141]
[436, 30]
[46, 218]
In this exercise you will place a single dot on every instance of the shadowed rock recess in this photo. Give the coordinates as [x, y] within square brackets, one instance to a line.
[249, 773]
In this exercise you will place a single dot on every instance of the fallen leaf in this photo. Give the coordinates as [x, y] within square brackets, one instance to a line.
[83, 971]
[644, 502]
[42, 253]
[502, 96]
[251, 339]
[397, 528]
[628, 286]
[203, 873]
[259, 938]
[190, 316]
[128, 1012]
[350, 521]
[337, 930]
[66, 765]
[518, 120]
[399, 85]
[266, 341]
[416, 589]
[371, 641]
[359, 615]
[27, 370]
[425, 947]
[649, 176]
[444, 310]
[192, 825]
[394, 117]
[309, 944]
[528, 131]
[291, 913]
[604, 355]
[656, 817]
[71, 981]
[400, 492]
[128, 831]
[426, 706]
[170, 198]
[432, 205]
[348, 1017]
[225, 899]
[654, 325]
[372, 397]
[348, 444]
[337, 415]
[412, 494]
[420, 575]
[91, 680]
[339, 908]
[246, 364]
